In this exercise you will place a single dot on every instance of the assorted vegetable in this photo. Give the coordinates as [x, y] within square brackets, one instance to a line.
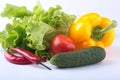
[34, 30]
[92, 30]
[62, 43]
[30, 56]
[16, 59]
[54, 35]
[25, 57]
[77, 58]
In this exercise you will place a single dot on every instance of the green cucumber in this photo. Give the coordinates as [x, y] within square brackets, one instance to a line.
[77, 58]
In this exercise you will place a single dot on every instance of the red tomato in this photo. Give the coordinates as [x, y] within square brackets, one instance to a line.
[62, 43]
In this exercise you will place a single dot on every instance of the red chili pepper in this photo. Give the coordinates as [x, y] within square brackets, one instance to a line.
[30, 56]
[16, 59]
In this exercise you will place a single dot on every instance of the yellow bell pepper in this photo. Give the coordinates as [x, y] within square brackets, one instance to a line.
[92, 30]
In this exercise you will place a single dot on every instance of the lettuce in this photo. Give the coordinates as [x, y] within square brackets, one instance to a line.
[34, 30]
[15, 11]
[37, 31]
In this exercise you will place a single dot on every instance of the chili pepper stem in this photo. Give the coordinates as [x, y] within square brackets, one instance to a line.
[44, 66]
[112, 25]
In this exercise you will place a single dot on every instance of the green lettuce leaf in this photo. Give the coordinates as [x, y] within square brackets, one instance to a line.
[36, 32]
[15, 11]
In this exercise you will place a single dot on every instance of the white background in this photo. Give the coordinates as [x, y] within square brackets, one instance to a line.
[107, 69]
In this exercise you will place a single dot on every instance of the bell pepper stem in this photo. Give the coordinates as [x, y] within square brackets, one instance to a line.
[112, 25]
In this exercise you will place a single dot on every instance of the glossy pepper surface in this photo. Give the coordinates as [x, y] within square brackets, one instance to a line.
[92, 29]
[16, 59]
[28, 55]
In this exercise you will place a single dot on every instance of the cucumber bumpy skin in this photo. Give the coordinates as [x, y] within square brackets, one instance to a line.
[77, 58]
